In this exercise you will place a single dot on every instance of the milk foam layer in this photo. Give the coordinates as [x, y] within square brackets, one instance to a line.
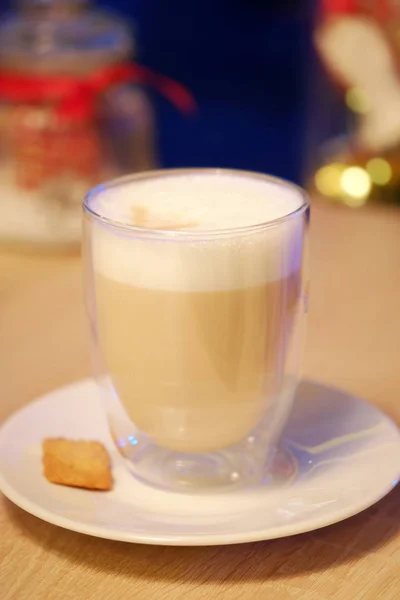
[206, 202]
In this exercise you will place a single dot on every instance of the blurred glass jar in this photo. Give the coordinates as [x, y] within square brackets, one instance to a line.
[70, 117]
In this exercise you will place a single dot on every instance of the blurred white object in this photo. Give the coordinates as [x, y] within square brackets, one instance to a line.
[357, 52]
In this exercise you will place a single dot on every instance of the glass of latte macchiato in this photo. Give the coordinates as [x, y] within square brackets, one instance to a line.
[196, 295]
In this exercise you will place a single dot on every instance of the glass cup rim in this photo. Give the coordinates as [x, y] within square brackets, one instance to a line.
[200, 233]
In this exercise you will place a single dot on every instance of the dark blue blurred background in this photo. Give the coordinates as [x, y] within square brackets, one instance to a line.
[246, 62]
[249, 64]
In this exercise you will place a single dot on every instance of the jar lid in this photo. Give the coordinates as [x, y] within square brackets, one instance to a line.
[61, 37]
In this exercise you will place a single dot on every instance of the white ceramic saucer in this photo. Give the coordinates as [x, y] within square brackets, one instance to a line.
[347, 453]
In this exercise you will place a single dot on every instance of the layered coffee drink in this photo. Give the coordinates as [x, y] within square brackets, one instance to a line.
[198, 281]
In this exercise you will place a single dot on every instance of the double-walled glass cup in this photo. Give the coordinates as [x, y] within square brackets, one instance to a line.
[196, 333]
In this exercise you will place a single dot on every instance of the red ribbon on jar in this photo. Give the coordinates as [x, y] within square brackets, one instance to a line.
[76, 97]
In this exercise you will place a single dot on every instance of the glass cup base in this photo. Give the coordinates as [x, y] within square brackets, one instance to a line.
[215, 472]
[256, 459]
[229, 469]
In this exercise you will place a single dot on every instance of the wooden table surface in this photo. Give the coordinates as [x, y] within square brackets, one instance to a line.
[353, 342]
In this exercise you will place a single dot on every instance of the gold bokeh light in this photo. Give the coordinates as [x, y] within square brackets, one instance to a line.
[379, 171]
[356, 186]
[358, 101]
[328, 179]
